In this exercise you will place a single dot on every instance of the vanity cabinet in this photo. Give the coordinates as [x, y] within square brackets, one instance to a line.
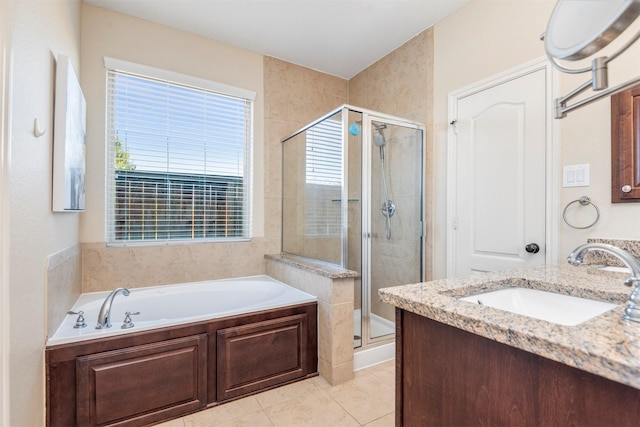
[447, 376]
[625, 146]
[147, 377]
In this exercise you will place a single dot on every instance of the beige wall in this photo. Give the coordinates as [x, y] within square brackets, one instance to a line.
[585, 137]
[294, 97]
[106, 33]
[487, 37]
[400, 84]
[41, 30]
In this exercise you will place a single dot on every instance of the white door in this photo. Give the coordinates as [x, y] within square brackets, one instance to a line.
[499, 159]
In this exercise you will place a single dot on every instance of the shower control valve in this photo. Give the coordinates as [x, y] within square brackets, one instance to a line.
[388, 208]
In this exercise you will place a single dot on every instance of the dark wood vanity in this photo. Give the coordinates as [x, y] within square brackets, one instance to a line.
[147, 377]
[448, 376]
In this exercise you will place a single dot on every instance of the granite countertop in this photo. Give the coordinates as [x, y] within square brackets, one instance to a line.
[606, 345]
[321, 268]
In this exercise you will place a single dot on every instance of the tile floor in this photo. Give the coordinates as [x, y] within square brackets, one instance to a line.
[367, 400]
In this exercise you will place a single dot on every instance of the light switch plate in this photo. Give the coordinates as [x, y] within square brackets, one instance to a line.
[575, 176]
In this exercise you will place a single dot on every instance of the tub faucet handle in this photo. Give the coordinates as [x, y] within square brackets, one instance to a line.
[80, 323]
[128, 323]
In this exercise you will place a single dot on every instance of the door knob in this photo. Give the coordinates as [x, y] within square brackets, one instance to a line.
[532, 248]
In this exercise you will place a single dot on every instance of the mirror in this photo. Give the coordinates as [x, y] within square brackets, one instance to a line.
[580, 29]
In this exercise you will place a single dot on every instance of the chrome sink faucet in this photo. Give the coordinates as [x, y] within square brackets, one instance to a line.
[632, 312]
[104, 315]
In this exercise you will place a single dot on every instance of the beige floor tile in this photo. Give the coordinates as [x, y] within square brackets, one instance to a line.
[223, 413]
[366, 397]
[254, 419]
[389, 364]
[173, 423]
[387, 376]
[320, 382]
[386, 421]
[362, 373]
[287, 392]
[311, 410]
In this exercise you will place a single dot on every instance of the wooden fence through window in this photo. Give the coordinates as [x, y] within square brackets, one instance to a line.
[164, 206]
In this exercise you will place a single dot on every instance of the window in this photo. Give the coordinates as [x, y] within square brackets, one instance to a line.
[323, 178]
[178, 151]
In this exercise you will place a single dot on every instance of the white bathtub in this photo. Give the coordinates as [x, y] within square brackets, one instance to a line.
[169, 305]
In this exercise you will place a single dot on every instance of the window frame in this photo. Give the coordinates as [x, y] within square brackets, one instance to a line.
[144, 71]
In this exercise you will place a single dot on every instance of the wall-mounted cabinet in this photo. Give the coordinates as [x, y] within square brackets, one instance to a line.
[625, 146]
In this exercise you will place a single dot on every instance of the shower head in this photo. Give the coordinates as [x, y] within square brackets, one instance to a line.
[379, 138]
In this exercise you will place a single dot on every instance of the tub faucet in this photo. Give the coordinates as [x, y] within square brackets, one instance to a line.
[632, 312]
[104, 316]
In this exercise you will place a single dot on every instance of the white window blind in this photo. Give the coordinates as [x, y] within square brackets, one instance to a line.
[323, 179]
[178, 160]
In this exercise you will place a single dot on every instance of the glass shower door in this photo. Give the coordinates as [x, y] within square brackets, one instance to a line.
[394, 217]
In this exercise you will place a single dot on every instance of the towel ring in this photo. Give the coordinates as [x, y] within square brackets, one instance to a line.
[584, 201]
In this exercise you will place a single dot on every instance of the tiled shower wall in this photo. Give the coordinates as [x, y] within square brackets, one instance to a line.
[294, 97]
[401, 84]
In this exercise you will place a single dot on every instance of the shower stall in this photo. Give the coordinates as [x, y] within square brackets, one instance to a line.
[353, 195]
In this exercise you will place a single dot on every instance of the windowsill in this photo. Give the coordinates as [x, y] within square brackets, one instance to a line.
[176, 242]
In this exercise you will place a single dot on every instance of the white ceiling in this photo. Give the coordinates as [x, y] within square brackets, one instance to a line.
[339, 37]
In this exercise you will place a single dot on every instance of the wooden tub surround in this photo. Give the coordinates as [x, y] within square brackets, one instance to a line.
[152, 376]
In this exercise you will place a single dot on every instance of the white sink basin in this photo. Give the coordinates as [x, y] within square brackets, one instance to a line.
[556, 308]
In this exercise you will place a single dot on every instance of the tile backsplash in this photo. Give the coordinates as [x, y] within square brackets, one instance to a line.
[63, 284]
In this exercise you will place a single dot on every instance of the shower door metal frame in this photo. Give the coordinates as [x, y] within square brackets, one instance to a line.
[367, 146]
[365, 199]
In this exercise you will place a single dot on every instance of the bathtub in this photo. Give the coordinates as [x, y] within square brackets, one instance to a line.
[170, 305]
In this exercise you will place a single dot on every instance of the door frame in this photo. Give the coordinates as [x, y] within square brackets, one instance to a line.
[6, 14]
[551, 156]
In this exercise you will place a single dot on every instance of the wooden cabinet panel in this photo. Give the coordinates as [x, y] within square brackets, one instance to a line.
[142, 384]
[150, 376]
[625, 146]
[259, 355]
[447, 376]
